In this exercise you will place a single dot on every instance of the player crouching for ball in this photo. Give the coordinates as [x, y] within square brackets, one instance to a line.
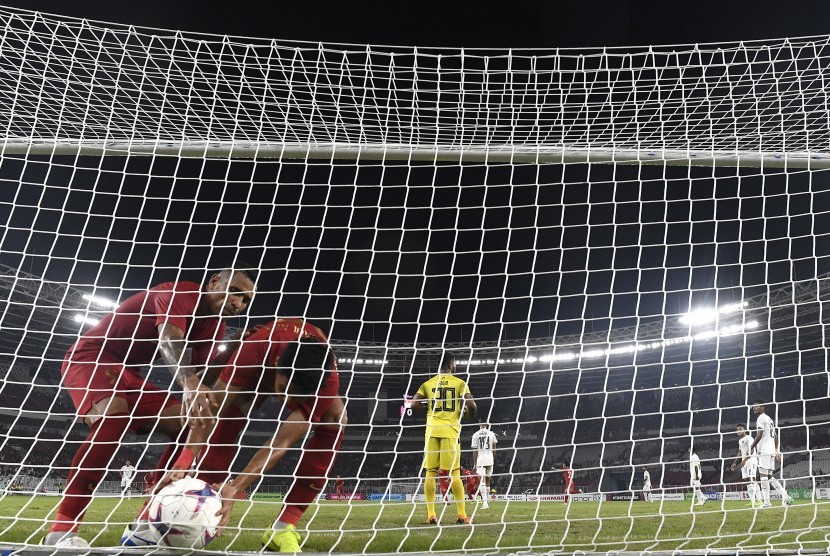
[291, 360]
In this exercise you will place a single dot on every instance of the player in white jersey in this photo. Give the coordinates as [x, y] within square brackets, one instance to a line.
[767, 445]
[127, 473]
[696, 476]
[647, 485]
[747, 462]
[484, 449]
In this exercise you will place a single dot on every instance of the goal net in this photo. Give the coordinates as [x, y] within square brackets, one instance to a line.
[624, 248]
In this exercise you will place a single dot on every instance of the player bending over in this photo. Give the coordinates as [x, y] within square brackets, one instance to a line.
[181, 322]
[767, 445]
[446, 399]
[291, 360]
[470, 480]
[484, 448]
[696, 476]
[748, 464]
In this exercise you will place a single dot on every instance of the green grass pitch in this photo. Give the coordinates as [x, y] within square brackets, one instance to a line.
[362, 526]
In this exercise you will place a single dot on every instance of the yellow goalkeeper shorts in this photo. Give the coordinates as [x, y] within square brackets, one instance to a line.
[442, 453]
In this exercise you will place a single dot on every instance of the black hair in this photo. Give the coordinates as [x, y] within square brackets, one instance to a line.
[741, 426]
[449, 357]
[305, 364]
[243, 267]
[758, 402]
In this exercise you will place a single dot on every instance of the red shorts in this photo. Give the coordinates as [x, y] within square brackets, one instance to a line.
[89, 383]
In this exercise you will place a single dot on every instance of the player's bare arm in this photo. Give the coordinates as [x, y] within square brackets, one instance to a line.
[755, 442]
[470, 407]
[419, 402]
[738, 463]
[778, 456]
[291, 431]
[198, 402]
[227, 395]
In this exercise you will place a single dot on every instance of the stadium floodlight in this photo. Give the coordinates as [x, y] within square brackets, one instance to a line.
[85, 319]
[101, 301]
[699, 317]
[222, 347]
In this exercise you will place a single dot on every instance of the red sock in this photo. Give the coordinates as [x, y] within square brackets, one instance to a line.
[174, 448]
[310, 478]
[222, 447]
[89, 465]
[171, 453]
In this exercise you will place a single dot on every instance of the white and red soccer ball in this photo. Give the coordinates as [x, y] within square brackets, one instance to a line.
[184, 514]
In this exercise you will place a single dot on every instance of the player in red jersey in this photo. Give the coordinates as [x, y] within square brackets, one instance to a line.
[471, 481]
[568, 475]
[181, 322]
[291, 360]
[339, 486]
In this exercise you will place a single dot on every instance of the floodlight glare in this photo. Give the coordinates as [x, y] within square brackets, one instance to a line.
[700, 317]
[222, 347]
[101, 301]
[85, 319]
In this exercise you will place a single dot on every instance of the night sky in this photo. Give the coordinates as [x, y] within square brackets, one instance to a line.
[469, 24]
[424, 253]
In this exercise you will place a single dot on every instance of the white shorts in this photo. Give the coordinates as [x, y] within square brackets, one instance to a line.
[695, 482]
[646, 487]
[749, 470]
[125, 484]
[766, 463]
[484, 470]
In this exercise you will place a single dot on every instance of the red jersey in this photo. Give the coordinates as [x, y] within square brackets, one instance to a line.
[471, 480]
[568, 473]
[130, 334]
[253, 367]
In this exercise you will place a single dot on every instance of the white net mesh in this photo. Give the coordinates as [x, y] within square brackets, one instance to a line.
[541, 214]
[73, 85]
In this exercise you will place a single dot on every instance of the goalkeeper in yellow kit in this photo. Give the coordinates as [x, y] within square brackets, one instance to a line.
[446, 399]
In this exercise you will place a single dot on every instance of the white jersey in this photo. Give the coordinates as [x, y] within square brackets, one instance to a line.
[750, 468]
[646, 479]
[127, 474]
[694, 467]
[766, 446]
[484, 440]
[745, 446]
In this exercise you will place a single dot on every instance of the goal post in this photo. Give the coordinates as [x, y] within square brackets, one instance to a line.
[624, 249]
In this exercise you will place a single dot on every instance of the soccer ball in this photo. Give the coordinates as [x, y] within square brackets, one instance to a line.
[184, 514]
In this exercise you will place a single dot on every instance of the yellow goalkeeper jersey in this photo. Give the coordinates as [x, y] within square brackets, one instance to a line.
[445, 402]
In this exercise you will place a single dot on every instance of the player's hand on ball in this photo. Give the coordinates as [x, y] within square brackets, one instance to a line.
[170, 477]
[229, 495]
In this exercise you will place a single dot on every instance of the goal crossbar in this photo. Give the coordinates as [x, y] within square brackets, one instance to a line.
[508, 154]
